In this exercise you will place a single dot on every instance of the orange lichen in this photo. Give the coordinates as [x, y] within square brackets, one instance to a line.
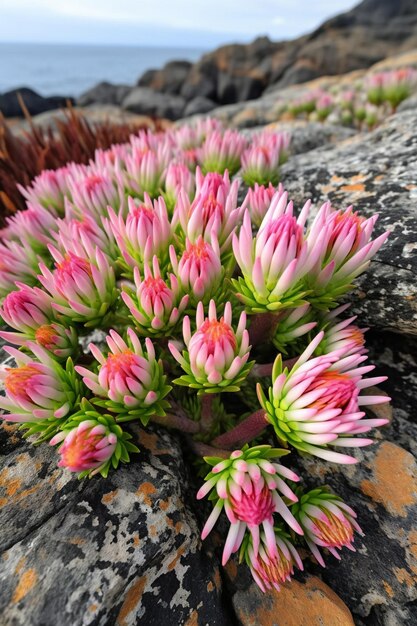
[394, 480]
[26, 582]
[131, 602]
[146, 490]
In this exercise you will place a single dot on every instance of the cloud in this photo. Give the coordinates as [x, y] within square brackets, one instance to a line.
[141, 21]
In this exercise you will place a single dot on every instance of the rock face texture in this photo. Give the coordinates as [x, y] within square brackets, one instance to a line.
[122, 551]
[374, 172]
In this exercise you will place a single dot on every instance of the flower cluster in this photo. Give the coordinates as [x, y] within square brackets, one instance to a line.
[160, 234]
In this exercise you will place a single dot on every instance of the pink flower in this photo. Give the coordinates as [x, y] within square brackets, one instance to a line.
[199, 269]
[35, 226]
[18, 263]
[345, 248]
[258, 200]
[327, 522]
[49, 189]
[318, 402]
[37, 389]
[131, 380]
[260, 162]
[214, 210]
[156, 305]
[275, 260]
[216, 356]
[82, 290]
[272, 569]
[93, 191]
[222, 151]
[25, 310]
[145, 231]
[86, 447]
[145, 166]
[249, 487]
[178, 177]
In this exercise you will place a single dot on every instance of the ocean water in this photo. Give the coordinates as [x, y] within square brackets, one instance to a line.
[71, 69]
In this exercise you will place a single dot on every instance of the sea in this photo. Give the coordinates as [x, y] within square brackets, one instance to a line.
[69, 70]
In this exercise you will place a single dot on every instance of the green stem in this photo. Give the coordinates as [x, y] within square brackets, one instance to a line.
[251, 427]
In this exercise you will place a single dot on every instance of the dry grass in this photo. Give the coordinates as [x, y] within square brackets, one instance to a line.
[24, 156]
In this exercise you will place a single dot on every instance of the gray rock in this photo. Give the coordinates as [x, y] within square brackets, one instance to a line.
[375, 172]
[35, 103]
[237, 88]
[146, 101]
[104, 93]
[199, 85]
[379, 581]
[124, 551]
[169, 79]
[147, 77]
[198, 105]
[409, 104]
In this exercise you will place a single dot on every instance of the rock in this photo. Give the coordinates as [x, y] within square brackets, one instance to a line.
[395, 357]
[35, 103]
[169, 79]
[237, 88]
[357, 39]
[374, 171]
[409, 104]
[104, 93]
[199, 85]
[309, 603]
[379, 581]
[198, 105]
[146, 101]
[147, 77]
[118, 551]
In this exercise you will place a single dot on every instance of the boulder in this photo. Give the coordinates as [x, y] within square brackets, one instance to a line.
[35, 103]
[237, 88]
[104, 93]
[146, 101]
[123, 551]
[169, 79]
[198, 105]
[378, 581]
[147, 77]
[199, 85]
[375, 172]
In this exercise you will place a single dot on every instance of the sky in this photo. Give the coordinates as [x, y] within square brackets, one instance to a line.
[167, 23]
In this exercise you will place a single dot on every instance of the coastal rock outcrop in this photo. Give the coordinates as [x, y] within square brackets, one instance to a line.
[146, 101]
[34, 103]
[104, 93]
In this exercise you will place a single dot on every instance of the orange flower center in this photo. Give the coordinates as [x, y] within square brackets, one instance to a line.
[277, 570]
[153, 287]
[216, 331]
[120, 363]
[197, 251]
[81, 448]
[45, 335]
[73, 263]
[336, 533]
[18, 379]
